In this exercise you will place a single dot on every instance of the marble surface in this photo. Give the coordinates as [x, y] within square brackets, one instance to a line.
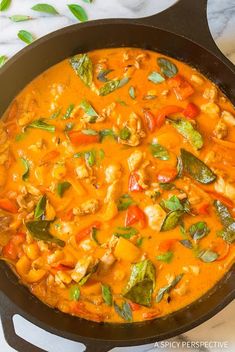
[221, 15]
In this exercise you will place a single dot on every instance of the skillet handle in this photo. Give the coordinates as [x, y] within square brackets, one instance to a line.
[7, 313]
[188, 18]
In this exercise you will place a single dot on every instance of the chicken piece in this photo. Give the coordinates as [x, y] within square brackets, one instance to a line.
[59, 170]
[211, 109]
[106, 261]
[135, 160]
[225, 188]
[143, 175]
[228, 117]
[156, 216]
[211, 94]
[113, 192]
[82, 171]
[84, 266]
[113, 173]
[106, 112]
[195, 78]
[221, 130]
[134, 125]
[88, 207]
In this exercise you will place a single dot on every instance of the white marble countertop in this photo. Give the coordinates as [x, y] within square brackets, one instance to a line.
[221, 15]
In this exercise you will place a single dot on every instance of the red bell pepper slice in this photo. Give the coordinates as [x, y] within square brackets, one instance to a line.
[150, 120]
[191, 111]
[79, 138]
[8, 205]
[221, 247]
[181, 87]
[226, 201]
[133, 215]
[164, 112]
[133, 183]
[87, 231]
[167, 175]
[203, 209]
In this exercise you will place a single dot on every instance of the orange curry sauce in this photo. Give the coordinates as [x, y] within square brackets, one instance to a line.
[117, 185]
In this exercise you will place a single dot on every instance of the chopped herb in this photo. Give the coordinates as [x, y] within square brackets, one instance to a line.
[171, 220]
[68, 112]
[121, 102]
[139, 242]
[45, 8]
[199, 230]
[90, 132]
[126, 232]
[40, 230]
[3, 60]
[167, 67]
[89, 110]
[149, 97]
[20, 18]
[62, 187]
[168, 288]
[228, 232]
[102, 75]
[186, 243]
[173, 203]
[196, 168]
[107, 295]
[165, 257]
[19, 137]
[83, 67]
[26, 166]
[4, 4]
[40, 207]
[155, 77]
[25, 36]
[207, 256]
[106, 133]
[41, 125]
[132, 92]
[78, 12]
[55, 114]
[187, 130]
[94, 231]
[69, 126]
[159, 152]
[125, 133]
[90, 157]
[101, 154]
[74, 293]
[124, 311]
[167, 186]
[124, 202]
[111, 86]
[155, 195]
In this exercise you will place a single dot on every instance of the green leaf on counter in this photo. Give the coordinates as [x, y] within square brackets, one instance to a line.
[207, 256]
[4, 4]
[46, 8]
[124, 202]
[167, 67]
[41, 125]
[83, 67]
[62, 187]
[40, 207]
[199, 230]
[168, 288]
[165, 257]
[78, 12]
[186, 129]
[159, 152]
[3, 60]
[141, 284]
[102, 75]
[74, 293]
[26, 166]
[40, 230]
[107, 294]
[196, 168]
[89, 110]
[156, 77]
[25, 36]
[124, 311]
[20, 18]
[68, 112]
[125, 232]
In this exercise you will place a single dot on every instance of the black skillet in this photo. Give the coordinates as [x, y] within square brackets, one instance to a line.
[181, 32]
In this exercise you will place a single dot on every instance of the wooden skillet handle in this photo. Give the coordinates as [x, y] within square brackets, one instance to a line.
[188, 18]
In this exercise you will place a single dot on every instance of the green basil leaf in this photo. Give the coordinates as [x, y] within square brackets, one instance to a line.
[132, 92]
[25, 36]
[20, 18]
[55, 114]
[102, 75]
[141, 284]
[139, 241]
[87, 277]
[74, 293]
[83, 67]
[196, 168]
[90, 157]
[167, 186]
[207, 256]
[40, 207]
[89, 110]
[165, 257]
[155, 77]
[3, 60]
[167, 67]
[121, 102]
[228, 232]
[106, 133]
[125, 133]
[107, 294]
[69, 126]
[26, 165]
[4, 4]
[78, 12]
[123, 81]
[168, 288]
[41, 125]
[111, 86]
[126, 232]
[62, 187]
[45, 8]
[90, 132]
[187, 130]
[172, 220]
[173, 203]
[94, 232]
[199, 230]
[68, 112]
[124, 311]
[159, 152]
[124, 202]
[186, 243]
[40, 230]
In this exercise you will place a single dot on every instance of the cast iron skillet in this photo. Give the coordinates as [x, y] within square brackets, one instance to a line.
[181, 32]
